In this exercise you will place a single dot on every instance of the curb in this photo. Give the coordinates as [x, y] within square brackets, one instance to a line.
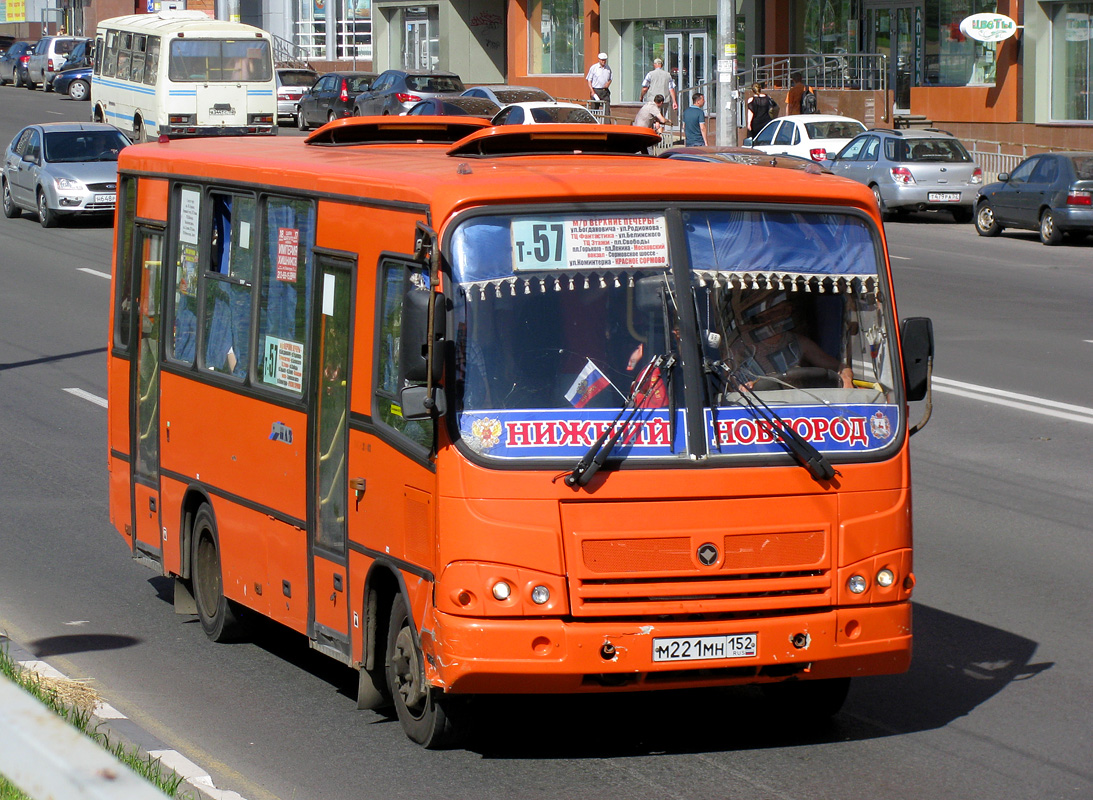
[118, 727]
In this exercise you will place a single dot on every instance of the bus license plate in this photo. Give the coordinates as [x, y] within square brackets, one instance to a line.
[705, 648]
[943, 197]
[106, 198]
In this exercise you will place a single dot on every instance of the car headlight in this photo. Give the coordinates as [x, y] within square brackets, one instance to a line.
[69, 185]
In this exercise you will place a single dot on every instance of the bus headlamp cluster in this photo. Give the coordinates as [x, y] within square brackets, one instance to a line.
[857, 584]
[540, 595]
[471, 588]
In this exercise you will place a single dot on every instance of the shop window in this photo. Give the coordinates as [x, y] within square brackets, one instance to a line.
[1071, 62]
[556, 37]
[952, 58]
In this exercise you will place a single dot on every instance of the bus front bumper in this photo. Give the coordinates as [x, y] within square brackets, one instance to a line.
[517, 656]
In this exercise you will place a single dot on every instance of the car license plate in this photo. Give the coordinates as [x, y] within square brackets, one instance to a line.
[705, 648]
[943, 197]
[106, 198]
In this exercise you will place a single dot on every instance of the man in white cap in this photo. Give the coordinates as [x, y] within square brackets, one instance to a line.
[599, 82]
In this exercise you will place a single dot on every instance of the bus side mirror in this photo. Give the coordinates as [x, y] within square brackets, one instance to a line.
[414, 351]
[917, 339]
[917, 336]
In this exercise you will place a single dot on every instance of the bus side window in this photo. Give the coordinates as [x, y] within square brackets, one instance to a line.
[151, 67]
[394, 282]
[110, 62]
[123, 312]
[136, 69]
[183, 342]
[97, 66]
[284, 310]
[227, 311]
[124, 57]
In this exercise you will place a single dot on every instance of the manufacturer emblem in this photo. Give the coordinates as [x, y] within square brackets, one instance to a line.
[707, 554]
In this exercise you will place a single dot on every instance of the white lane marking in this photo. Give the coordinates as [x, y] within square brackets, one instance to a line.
[91, 398]
[1020, 402]
[95, 272]
[901, 258]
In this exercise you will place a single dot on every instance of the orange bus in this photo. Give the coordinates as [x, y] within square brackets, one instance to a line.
[516, 410]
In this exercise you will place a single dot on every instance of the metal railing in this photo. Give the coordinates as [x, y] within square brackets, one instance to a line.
[994, 163]
[288, 53]
[863, 71]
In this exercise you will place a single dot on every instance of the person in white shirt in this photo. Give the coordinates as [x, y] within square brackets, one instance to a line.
[599, 82]
[659, 81]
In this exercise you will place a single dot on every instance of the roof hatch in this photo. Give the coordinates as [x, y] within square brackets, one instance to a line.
[505, 140]
[396, 130]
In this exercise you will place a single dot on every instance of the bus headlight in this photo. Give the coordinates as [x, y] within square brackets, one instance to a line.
[857, 584]
[540, 595]
[470, 588]
[502, 591]
[886, 578]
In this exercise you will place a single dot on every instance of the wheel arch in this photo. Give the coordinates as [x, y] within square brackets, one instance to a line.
[192, 500]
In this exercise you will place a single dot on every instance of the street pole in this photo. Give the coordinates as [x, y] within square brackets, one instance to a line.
[727, 93]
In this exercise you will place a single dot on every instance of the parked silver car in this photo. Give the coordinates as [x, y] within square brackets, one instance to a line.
[46, 60]
[396, 91]
[60, 168]
[913, 170]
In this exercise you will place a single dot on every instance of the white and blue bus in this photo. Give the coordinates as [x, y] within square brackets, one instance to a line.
[182, 73]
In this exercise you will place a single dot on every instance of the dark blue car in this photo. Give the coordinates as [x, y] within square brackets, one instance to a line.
[76, 83]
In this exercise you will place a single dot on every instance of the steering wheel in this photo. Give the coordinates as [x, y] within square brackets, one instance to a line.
[799, 378]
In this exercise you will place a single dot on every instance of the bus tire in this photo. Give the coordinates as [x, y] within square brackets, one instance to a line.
[423, 711]
[811, 702]
[219, 616]
[97, 115]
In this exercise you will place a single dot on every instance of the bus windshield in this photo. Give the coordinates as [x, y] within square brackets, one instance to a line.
[562, 321]
[220, 60]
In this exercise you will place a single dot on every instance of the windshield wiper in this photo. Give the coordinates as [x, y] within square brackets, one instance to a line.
[597, 454]
[802, 451]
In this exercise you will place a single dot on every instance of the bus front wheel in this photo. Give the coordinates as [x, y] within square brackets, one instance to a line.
[423, 711]
[219, 615]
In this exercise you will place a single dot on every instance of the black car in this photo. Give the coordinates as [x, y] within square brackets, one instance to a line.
[459, 106]
[1051, 193]
[13, 64]
[331, 98]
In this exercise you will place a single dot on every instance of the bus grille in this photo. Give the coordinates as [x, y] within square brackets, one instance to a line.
[755, 574]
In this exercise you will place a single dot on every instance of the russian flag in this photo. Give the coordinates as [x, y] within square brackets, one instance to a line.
[589, 383]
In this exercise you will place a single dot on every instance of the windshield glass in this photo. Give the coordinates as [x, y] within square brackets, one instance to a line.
[73, 146]
[560, 319]
[220, 60]
[791, 311]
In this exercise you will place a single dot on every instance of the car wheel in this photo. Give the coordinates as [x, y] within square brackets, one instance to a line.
[985, 223]
[331, 117]
[1049, 233]
[962, 215]
[46, 215]
[884, 213]
[301, 124]
[47, 86]
[11, 211]
[79, 90]
[27, 82]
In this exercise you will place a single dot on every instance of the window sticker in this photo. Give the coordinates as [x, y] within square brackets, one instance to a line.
[288, 254]
[560, 243]
[189, 214]
[187, 270]
[328, 294]
[284, 364]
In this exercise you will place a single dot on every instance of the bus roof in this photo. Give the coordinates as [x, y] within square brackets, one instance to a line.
[168, 22]
[430, 176]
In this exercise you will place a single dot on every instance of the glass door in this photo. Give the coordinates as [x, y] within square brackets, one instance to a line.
[144, 420]
[673, 59]
[329, 452]
[420, 45]
[698, 64]
[895, 31]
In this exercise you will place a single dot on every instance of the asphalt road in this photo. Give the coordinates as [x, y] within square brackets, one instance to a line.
[996, 704]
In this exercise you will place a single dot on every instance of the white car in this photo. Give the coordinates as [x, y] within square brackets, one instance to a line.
[815, 136]
[543, 112]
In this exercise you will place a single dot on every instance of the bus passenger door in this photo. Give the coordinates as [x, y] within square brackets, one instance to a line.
[144, 409]
[328, 622]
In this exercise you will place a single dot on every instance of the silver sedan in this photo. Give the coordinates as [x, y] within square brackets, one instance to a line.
[61, 168]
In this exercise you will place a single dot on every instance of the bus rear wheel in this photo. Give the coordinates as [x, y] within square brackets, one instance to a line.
[219, 616]
[423, 711]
